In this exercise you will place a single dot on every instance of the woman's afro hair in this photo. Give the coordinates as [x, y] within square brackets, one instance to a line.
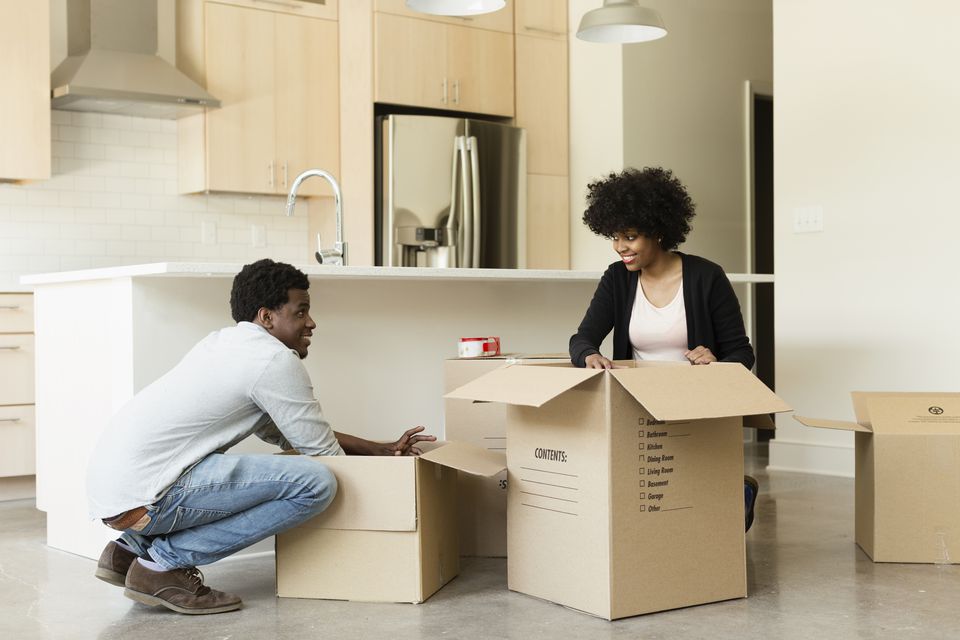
[263, 283]
[650, 201]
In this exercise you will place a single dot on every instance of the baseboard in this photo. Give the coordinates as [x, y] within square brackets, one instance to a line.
[806, 457]
[18, 488]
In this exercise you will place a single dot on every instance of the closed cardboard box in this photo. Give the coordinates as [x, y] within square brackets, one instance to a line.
[390, 535]
[626, 486]
[907, 474]
[482, 508]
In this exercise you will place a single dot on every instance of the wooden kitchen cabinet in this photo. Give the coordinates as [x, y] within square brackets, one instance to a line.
[548, 222]
[543, 110]
[428, 63]
[542, 18]
[25, 150]
[17, 425]
[542, 103]
[277, 77]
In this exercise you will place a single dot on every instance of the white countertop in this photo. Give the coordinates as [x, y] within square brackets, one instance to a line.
[228, 270]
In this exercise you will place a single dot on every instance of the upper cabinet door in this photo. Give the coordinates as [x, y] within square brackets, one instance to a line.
[307, 110]
[480, 70]
[240, 72]
[411, 62]
[542, 103]
[25, 86]
[542, 18]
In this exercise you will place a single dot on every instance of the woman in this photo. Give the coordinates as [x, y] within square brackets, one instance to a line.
[660, 303]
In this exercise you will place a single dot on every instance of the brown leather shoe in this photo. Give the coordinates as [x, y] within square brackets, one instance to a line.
[114, 563]
[180, 590]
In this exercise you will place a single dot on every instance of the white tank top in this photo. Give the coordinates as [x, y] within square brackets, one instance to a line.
[658, 333]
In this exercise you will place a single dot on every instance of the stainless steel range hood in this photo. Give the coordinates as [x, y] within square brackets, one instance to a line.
[112, 66]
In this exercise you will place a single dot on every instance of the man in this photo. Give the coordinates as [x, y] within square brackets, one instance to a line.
[158, 473]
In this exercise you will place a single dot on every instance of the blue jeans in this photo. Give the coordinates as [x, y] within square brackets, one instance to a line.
[228, 502]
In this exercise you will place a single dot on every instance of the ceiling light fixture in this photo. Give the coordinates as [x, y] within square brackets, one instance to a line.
[456, 7]
[621, 21]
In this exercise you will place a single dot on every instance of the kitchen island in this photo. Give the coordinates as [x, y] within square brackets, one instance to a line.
[376, 360]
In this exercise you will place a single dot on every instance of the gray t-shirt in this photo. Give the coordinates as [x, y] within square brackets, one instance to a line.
[235, 382]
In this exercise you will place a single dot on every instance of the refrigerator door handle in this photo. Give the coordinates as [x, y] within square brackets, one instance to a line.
[453, 221]
[475, 211]
[465, 236]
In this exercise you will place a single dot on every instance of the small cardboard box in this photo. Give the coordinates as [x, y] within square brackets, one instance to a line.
[907, 481]
[482, 506]
[625, 487]
[390, 535]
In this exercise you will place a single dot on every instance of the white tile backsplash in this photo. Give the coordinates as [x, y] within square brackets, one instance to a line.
[112, 200]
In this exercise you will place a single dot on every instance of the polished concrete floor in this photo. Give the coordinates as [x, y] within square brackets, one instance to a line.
[807, 579]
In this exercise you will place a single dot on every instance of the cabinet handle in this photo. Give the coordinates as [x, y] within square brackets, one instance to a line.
[9, 307]
[456, 92]
[279, 3]
[9, 419]
[443, 96]
[9, 347]
[270, 174]
[550, 32]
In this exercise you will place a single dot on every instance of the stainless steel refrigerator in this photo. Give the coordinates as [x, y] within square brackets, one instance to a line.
[450, 192]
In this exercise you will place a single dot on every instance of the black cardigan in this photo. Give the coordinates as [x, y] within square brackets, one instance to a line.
[713, 313]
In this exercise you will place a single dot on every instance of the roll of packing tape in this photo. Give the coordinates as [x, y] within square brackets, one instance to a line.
[479, 347]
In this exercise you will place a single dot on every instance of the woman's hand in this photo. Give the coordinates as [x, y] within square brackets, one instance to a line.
[405, 445]
[700, 355]
[597, 361]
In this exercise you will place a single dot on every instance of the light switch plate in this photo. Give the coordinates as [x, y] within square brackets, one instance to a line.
[807, 219]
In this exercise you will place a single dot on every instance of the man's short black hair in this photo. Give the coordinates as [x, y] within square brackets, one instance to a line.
[651, 201]
[263, 283]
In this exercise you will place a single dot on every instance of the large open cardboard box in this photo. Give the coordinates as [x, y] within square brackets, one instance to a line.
[482, 506]
[390, 535]
[625, 487]
[907, 474]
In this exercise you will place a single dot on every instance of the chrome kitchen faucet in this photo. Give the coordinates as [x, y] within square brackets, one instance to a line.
[337, 255]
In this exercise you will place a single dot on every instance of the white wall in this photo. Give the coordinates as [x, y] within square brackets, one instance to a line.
[685, 109]
[112, 200]
[866, 127]
[677, 102]
[596, 130]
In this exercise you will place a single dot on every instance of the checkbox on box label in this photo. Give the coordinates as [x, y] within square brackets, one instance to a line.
[643, 483]
[643, 470]
[643, 495]
[643, 507]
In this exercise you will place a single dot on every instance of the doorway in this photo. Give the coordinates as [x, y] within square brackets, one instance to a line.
[762, 249]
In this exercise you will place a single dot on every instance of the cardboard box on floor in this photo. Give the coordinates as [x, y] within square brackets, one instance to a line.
[390, 535]
[625, 487]
[907, 474]
[483, 501]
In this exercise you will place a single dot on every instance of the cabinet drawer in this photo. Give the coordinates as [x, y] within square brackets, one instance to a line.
[501, 20]
[18, 441]
[16, 313]
[16, 368]
[311, 8]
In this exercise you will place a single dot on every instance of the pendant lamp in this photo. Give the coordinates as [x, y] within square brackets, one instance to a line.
[456, 7]
[621, 21]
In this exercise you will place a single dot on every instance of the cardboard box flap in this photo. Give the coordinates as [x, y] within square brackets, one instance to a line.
[469, 458]
[862, 399]
[374, 493]
[717, 390]
[920, 414]
[841, 425]
[761, 421]
[529, 385]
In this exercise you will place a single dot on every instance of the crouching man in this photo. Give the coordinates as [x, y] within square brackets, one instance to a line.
[159, 473]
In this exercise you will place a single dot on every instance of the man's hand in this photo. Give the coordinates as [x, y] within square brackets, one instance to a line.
[597, 361]
[700, 355]
[405, 445]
